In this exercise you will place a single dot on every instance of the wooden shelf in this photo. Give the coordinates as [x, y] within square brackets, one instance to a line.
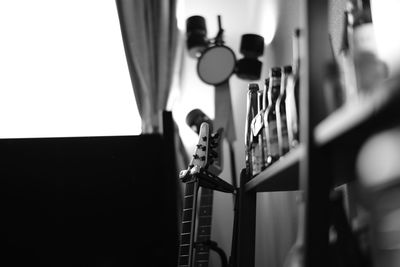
[362, 118]
[282, 175]
[343, 133]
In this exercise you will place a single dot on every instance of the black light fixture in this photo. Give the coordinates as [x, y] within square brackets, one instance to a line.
[252, 47]
[217, 62]
[195, 118]
[196, 35]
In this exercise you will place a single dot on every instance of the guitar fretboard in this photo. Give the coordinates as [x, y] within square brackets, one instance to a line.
[204, 227]
[192, 253]
[201, 255]
[187, 227]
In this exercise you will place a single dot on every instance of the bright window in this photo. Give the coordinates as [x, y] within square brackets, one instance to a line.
[63, 70]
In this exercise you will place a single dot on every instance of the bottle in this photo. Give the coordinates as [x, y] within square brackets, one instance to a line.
[363, 28]
[257, 127]
[281, 122]
[252, 110]
[369, 69]
[261, 132]
[270, 128]
[295, 257]
[292, 94]
[263, 136]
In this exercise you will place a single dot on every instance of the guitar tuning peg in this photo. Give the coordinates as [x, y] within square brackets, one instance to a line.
[203, 148]
[203, 157]
[195, 156]
[199, 145]
[213, 153]
[213, 145]
[215, 135]
[204, 138]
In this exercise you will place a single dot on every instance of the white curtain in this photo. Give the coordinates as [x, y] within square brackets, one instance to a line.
[150, 33]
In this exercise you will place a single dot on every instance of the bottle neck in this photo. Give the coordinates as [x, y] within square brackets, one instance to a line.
[265, 94]
[296, 52]
[274, 90]
[260, 100]
[284, 83]
[251, 113]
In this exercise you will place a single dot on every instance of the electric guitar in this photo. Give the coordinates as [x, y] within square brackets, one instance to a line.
[203, 169]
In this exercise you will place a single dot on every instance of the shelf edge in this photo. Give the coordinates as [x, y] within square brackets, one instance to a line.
[285, 164]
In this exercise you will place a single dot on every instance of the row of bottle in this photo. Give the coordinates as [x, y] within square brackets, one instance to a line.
[272, 126]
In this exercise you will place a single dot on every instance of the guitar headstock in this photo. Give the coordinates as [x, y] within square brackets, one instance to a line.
[215, 152]
[206, 155]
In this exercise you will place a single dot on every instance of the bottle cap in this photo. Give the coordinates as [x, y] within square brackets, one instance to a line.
[287, 69]
[252, 45]
[253, 87]
[275, 72]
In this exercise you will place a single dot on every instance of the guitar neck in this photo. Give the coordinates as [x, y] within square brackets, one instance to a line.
[202, 253]
[204, 157]
[204, 227]
[185, 256]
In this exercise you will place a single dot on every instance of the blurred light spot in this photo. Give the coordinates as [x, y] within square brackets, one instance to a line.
[181, 15]
[268, 14]
[378, 159]
[385, 18]
[63, 70]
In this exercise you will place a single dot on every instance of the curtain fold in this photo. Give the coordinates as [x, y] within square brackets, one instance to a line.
[150, 34]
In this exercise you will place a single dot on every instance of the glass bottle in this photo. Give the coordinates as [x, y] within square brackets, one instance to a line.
[292, 95]
[281, 122]
[270, 128]
[257, 131]
[263, 136]
[369, 69]
[256, 127]
[363, 28]
[261, 132]
[252, 110]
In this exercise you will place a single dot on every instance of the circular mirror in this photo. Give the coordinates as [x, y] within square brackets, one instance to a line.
[216, 64]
